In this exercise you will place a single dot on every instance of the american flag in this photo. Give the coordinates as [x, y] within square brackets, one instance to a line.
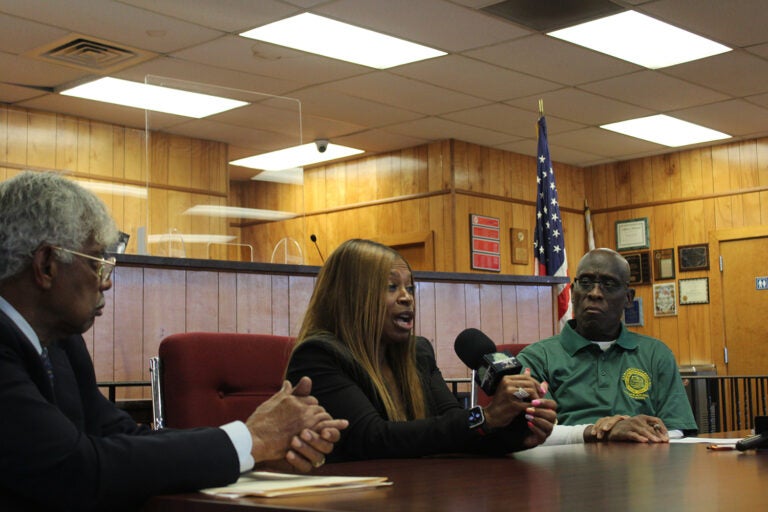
[549, 240]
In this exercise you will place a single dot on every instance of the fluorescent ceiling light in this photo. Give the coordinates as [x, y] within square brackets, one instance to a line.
[640, 39]
[287, 176]
[189, 238]
[114, 188]
[330, 38]
[235, 212]
[153, 97]
[297, 156]
[666, 130]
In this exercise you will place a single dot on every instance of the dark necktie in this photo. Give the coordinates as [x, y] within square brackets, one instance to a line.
[47, 364]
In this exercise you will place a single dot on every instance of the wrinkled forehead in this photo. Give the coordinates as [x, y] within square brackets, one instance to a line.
[604, 264]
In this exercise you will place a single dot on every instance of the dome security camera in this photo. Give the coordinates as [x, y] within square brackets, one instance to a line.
[322, 145]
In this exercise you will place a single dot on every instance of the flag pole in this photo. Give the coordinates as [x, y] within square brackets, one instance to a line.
[541, 107]
[588, 226]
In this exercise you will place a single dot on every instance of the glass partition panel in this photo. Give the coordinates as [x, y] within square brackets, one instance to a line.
[107, 159]
[199, 205]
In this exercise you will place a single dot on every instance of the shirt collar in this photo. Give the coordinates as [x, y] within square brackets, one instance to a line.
[572, 341]
[21, 323]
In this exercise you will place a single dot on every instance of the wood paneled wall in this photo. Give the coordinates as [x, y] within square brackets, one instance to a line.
[688, 197]
[434, 187]
[177, 172]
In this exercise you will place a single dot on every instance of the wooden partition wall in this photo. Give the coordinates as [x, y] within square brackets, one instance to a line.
[154, 297]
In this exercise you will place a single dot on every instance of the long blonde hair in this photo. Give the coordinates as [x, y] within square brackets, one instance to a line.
[349, 302]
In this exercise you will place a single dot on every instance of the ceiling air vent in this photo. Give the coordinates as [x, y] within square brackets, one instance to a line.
[548, 15]
[90, 54]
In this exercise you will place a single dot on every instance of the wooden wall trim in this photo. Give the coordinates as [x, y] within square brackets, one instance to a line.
[116, 179]
[355, 206]
[511, 200]
[679, 200]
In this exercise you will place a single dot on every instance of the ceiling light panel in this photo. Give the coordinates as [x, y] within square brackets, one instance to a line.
[298, 156]
[153, 97]
[323, 36]
[666, 130]
[640, 39]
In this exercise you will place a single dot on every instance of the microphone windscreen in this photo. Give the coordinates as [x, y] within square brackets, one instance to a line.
[313, 237]
[471, 345]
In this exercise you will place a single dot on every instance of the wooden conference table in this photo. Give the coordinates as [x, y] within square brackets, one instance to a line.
[593, 477]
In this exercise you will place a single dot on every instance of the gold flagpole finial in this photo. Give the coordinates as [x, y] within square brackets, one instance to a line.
[541, 107]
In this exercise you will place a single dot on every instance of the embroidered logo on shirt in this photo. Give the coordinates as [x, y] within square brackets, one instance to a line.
[636, 383]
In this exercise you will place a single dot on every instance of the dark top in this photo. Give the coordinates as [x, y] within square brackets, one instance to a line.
[69, 448]
[345, 390]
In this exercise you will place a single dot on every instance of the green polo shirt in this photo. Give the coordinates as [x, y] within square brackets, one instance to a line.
[636, 375]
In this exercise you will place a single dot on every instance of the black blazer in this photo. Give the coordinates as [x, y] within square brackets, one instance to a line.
[69, 448]
[342, 386]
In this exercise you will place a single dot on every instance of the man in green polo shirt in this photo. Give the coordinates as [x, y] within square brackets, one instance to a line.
[609, 383]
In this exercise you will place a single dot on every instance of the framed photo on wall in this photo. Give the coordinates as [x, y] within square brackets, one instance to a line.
[632, 234]
[664, 299]
[663, 264]
[633, 315]
[693, 257]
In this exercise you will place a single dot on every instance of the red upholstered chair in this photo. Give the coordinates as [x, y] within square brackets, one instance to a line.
[209, 379]
[510, 348]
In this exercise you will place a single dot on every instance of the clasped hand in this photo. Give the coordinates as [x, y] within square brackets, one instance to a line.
[292, 427]
[641, 429]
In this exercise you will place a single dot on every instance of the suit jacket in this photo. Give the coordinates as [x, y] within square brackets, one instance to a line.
[67, 447]
[343, 387]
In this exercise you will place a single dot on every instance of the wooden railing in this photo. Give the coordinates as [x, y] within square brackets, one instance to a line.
[723, 404]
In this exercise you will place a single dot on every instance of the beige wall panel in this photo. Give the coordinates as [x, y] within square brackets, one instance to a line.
[511, 333]
[202, 301]
[254, 303]
[491, 312]
[425, 311]
[300, 292]
[281, 308]
[164, 305]
[125, 351]
[227, 302]
[528, 312]
[450, 320]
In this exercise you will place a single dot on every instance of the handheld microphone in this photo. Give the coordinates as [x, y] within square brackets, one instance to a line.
[477, 351]
[314, 241]
[753, 442]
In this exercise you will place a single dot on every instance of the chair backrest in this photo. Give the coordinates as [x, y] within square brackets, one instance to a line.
[510, 348]
[209, 379]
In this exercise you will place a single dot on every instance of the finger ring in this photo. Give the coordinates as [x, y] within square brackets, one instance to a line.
[521, 394]
[319, 463]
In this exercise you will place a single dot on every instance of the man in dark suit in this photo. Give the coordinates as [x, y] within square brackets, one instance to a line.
[64, 446]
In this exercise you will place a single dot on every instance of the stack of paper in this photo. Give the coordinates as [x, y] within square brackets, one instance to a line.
[267, 484]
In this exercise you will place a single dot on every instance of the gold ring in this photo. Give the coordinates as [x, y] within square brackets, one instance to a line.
[319, 463]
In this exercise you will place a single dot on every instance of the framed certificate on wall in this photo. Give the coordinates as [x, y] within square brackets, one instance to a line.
[632, 234]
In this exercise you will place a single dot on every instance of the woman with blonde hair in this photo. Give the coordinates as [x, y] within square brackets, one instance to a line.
[357, 345]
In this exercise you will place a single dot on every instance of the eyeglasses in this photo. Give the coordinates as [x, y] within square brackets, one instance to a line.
[105, 268]
[607, 284]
